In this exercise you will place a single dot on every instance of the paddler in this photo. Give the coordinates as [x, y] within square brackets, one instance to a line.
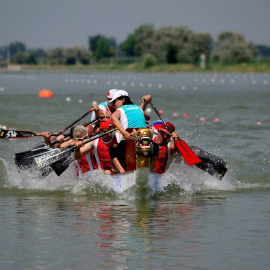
[127, 117]
[167, 147]
[100, 147]
[87, 162]
[104, 109]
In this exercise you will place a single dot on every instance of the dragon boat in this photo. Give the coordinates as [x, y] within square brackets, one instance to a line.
[139, 179]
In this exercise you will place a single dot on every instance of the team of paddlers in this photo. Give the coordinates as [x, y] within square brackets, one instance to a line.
[108, 152]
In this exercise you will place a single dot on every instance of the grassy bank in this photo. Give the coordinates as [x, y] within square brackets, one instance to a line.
[254, 67]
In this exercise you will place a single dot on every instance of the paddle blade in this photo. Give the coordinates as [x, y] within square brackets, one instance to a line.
[54, 155]
[23, 160]
[189, 156]
[210, 163]
[61, 165]
[17, 134]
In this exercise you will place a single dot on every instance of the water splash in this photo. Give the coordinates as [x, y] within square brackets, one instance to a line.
[179, 180]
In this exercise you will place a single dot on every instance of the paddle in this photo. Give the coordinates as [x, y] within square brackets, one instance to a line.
[210, 163]
[189, 156]
[25, 134]
[45, 159]
[17, 134]
[23, 162]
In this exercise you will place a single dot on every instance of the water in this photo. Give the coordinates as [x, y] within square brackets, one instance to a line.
[198, 222]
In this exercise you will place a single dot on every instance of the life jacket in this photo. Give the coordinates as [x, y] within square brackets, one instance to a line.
[164, 158]
[102, 155]
[85, 164]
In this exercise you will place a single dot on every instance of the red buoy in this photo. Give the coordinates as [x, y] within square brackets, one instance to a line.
[45, 93]
[161, 112]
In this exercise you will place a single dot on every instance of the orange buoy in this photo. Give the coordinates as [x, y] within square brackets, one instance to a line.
[45, 93]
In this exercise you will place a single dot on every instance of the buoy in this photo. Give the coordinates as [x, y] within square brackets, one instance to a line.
[259, 123]
[161, 112]
[216, 119]
[185, 115]
[202, 119]
[45, 93]
[175, 114]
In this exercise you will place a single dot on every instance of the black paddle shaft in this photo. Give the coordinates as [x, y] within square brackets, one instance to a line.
[159, 115]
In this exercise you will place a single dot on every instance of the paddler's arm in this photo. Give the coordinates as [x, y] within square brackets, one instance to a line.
[97, 110]
[145, 100]
[47, 137]
[82, 150]
[115, 118]
[173, 147]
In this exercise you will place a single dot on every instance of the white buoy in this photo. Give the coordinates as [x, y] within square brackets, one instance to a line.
[68, 99]
[2, 89]
[80, 101]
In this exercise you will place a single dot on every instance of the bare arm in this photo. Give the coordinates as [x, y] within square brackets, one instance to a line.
[173, 147]
[115, 118]
[83, 150]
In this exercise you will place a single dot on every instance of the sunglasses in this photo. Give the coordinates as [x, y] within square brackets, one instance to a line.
[81, 139]
[163, 133]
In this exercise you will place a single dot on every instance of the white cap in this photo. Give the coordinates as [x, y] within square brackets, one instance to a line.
[119, 93]
[111, 93]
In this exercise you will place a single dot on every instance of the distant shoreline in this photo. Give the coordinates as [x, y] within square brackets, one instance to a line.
[254, 67]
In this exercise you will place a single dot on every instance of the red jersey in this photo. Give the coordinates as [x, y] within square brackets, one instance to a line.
[164, 158]
[86, 163]
[102, 154]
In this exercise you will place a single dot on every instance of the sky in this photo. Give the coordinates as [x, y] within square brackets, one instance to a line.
[50, 23]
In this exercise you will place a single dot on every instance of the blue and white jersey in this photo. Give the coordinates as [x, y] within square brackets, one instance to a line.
[132, 116]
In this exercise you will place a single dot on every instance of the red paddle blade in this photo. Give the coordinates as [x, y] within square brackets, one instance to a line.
[189, 156]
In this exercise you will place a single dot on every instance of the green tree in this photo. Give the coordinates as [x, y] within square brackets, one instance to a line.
[133, 44]
[16, 47]
[57, 56]
[102, 47]
[231, 48]
[149, 60]
[31, 59]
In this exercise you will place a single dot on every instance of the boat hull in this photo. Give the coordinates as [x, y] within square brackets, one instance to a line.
[125, 182]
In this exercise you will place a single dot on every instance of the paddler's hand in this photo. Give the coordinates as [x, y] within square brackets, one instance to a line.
[46, 134]
[146, 98]
[106, 114]
[60, 138]
[175, 136]
[79, 144]
[129, 136]
[95, 107]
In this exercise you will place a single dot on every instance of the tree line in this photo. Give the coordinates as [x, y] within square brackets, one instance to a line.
[172, 44]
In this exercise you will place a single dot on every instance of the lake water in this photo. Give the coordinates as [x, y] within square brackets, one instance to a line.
[202, 223]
